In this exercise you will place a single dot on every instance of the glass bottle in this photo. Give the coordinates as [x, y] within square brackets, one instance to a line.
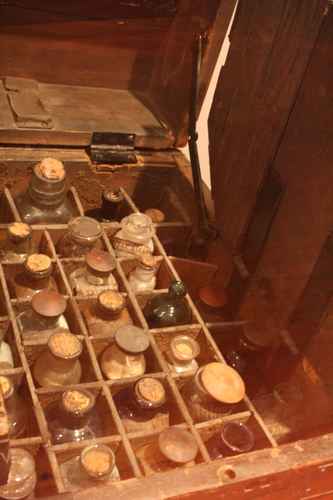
[35, 277]
[234, 438]
[84, 235]
[44, 201]
[142, 278]
[22, 477]
[142, 406]
[6, 355]
[168, 308]
[46, 313]
[73, 418]
[59, 365]
[125, 357]
[111, 201]
[211, 302]
[109, 313]
[95, 466]
[135, 236]
[181, 356]
[15, 407]
[213, 391]
[18, 244]
[174, 448]
[96, 275]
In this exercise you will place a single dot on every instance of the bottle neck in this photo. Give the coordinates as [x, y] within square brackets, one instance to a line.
[59, 364]
[20, 247]
[96, 278]
[46, 193]
[72, 421]
[43, 323]
[143, 274]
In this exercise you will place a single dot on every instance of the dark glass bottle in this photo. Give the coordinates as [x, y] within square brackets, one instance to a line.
[16, 409]
[84, 235]
[18, 245]
[168, 308]
[35, 277]
[96, 275]
[111, 201]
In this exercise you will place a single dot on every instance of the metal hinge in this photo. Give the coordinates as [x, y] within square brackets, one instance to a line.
[113, 147]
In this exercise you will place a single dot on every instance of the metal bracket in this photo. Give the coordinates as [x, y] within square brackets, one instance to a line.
[113, 147]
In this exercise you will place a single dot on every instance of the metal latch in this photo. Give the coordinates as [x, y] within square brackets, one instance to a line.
[113, 147]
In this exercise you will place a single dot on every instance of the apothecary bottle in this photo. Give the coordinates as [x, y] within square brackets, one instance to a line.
[84, 235]
[213, 391]
[143, 406]
[107, 314]
[18, 245]
[181, 356]
[35, 277]
[142, 278]
[135, 236]
[22, 476]
[96, 275]
[108, 211]
[235, 437]
[96, 465]
[6, 355]
[44, 201]
[168, 308]
[15, 407]
[125, 357]
[59, 364]
[73, 418]
[46, 313]
[175, 447]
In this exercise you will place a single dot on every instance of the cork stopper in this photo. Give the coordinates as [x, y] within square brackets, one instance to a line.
[155, 214]
[131, 339]
[48, 304]
[97, 460]
[101, 262]
[184, 348]
[148, 261]
[77, 400]
[50, 169]
[151, 389]
[223, 383]
[213, 296]
[111, 300]
[178, 445]
[5, 384]
[65, 345]
[85, 229]
[19, 231]
[38, 262]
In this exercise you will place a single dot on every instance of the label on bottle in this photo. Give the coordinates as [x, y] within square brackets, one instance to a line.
[129, 247]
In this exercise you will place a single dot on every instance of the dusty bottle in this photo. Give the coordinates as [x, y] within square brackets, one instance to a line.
[142, 278]
[15, 407]
[108, 212]
[168, 308]
[213, 391]
[181, 356]
[142, 406]
[45, 201]
[35, 277]
[96, 275]
[84, 235]
[109, 313]
[95, 466]
[234, 438]
[125, 357]
[22, 477]
[73, 418]
[6, 355]
[18, 245]
[59, 365]
[135, 236]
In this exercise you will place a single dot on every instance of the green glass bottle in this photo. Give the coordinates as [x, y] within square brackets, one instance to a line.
[168, 308]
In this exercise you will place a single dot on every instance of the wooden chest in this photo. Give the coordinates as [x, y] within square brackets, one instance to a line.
[105, 87]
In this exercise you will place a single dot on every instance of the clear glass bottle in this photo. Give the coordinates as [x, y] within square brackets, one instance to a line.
[46, 313]
[108, 212]
[125, 357]
[44, 201]
[181, 356]
[135, 236]
[15, 407]
[73, 418]
[168, 308]
[109, 313]
[59, 365]
[96, 275]
[95, 466]
[175, 447]
[142, 278]
[142, 406]
[211, 303]
[84, 235]
[6, 355]
[35, 277]
[213, 391]
[22, 477]
[18, 245]
[234, 438]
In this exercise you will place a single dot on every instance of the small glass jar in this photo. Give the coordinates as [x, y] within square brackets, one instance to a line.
[45, 202]
[18, 245]
[15, 407]
[181, 356]
[142, 278]
[22, 476]
[213, 392]
[125, 357]
[234, 438]
[168, 308]
[35, 277]
[174, 448]
[73, 418]
[211, 302]
[108, 212]
[96, 275]
[135, 236]
[6, 355]
[84, 235]
[95, 466]
[109, 313]
[142, 407]
[59, 365]
[46, 313]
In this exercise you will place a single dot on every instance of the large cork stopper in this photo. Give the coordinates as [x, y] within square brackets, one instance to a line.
[223, 383]
[50, 169]
[38, 262]
[151, 389]
[65, 344]
[19, 229]
[75, 400]
[155, 214]
[111, 299]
